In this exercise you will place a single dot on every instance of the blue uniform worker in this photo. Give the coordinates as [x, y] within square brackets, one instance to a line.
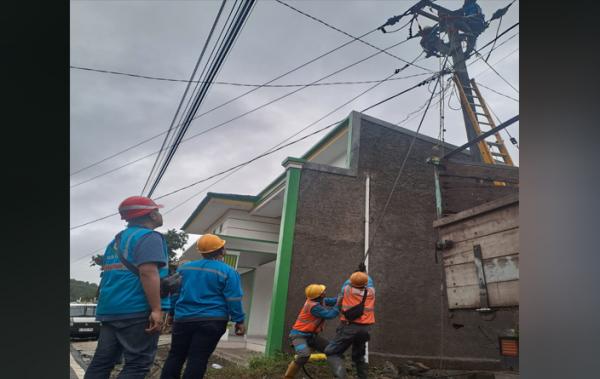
[210, 296]
[129, 304]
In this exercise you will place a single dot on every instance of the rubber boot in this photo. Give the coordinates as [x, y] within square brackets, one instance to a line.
[336, 363]
[292, 370]
[362, 369]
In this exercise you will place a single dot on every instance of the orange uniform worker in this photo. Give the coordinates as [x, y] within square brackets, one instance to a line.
[357, 292]
[305, 332]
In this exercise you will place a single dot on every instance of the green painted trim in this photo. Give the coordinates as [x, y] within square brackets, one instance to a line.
[251, 251]
[225, 237]
[214, 195]
[326, 138]
[272, 190]
[435, 161]
[349, 148]
[275, 331]
[264, 193]
[293, 160]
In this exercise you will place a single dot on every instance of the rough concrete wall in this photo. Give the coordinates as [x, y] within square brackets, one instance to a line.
[328, 237]
[410, 308]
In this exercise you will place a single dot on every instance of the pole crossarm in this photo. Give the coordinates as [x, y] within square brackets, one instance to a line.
[482, 137]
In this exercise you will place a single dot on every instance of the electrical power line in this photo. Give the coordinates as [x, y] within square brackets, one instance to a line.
[243, 84]
[242, 115]
[497, 73]
[271, 150]
[243, 94]
[262, 106]
[278, 149]
[435, 76]
[187, 87]
[351, 36]
[453, 91]
[223, 52]
[497, 92]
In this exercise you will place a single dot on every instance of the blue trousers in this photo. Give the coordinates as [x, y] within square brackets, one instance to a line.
[126, 337]
[194, 341]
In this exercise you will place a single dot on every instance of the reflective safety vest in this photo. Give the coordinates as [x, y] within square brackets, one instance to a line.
[306, 321]
[353, 296]
[121, 291]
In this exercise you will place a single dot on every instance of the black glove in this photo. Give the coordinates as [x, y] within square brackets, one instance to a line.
[362, 267]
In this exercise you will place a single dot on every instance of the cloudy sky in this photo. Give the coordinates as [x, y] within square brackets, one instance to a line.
[164, 39]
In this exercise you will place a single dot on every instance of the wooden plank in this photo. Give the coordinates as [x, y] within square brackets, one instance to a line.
[461, 275]
[457, 200]
[479, 210]
[504, 294]
[499, 269]
[479, 170]
[502, 269]
[492, 246]
[463, 297]
[482, 282]
[447, 181]
[483, 225]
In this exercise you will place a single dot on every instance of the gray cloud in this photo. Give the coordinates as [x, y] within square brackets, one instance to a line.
[109, 113]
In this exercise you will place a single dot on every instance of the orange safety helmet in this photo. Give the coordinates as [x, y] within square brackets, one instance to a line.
[359, 279]
[209, 243]
[137, 206]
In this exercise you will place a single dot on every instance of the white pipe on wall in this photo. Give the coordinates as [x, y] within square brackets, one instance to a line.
[367, 194]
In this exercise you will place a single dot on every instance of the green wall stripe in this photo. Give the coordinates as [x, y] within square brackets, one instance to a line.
[283, 264]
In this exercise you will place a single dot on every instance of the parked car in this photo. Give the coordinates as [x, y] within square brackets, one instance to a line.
[83, 320]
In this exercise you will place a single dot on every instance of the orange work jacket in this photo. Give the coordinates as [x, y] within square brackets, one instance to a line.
[353, 296]
[306, 321]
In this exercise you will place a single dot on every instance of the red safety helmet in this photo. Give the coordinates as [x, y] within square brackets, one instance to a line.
[136, 206]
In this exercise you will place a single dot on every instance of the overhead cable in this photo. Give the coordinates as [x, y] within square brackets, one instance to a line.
[497, 73]
[187, 87]
[437, 75]
[254, 109]
[241, 115]
[250, 91]
[351, 36]
[246, 84]
[215, 67]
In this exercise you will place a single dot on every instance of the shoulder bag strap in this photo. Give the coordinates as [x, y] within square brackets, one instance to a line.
[130, 266]
[364, 299]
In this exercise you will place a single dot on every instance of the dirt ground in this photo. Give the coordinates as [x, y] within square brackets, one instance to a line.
[267, 368]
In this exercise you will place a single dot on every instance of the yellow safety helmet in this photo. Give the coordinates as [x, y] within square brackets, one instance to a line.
[209, 243]
[313, 291]
[359, 279]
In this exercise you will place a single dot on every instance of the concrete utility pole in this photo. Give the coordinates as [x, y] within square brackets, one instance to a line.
[446, 20]
[460, 67]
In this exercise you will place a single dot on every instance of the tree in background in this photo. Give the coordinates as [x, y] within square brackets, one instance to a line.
[176, 240]
[83, 291]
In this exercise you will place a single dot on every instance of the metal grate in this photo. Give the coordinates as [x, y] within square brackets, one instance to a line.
[231, 260]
